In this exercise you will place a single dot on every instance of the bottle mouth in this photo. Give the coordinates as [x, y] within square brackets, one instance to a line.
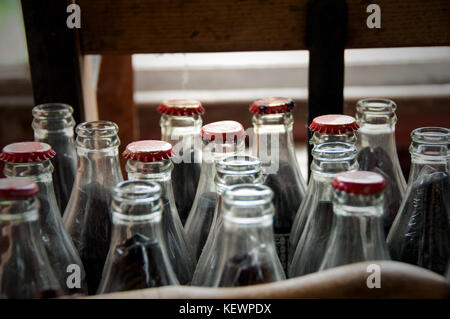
[334, 151]
[247, 195]
[137, 190]
[97, 129]
[431, 135]
[376, 106]
[50, 111]
[240, 164]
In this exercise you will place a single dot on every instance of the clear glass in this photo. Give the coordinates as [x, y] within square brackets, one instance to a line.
[180, 252]
[274, 145]
[138, 256]
[378, 151]
[357, 233]
[201, 216]
[312, 225]
[58, 244]
[25, 271]
[247, 252]
[87, 217]
[183, 132]
[231, 170]
[420, 234]
[53, 124]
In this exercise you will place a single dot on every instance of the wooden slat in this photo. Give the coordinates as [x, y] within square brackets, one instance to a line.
[150, 26]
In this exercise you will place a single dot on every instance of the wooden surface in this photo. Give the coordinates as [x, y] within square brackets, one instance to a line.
[149, 26]
[398, 280]
[115, 98]
[53, 52]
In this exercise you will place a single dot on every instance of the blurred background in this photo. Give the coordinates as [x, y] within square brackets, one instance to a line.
[417, 79]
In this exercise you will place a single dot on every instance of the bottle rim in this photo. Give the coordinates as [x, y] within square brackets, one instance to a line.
[431, 135]
[380, 106]
[27, 152]
[137, 190]
[334, 151]
[240, 164]
[52, 111]
[97, 129]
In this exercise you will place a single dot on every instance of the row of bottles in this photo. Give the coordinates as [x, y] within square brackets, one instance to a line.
[247, 219]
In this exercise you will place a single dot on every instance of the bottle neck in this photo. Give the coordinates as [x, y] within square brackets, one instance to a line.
[16, 211]
[320, 138]
[175, 128]
[273, 141]
[159, 172]
[100, 166]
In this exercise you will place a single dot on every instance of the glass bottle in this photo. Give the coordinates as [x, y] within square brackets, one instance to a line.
[24, 266]
[312, 229]
[420, 234]
[274, 145]
[357, 232]
[151, 160]
[53, 124]
[137, 257]
[325, 129]
[87, 217]
[247, 252]
[231, 170]
[33, 160]
[181, 121]
[219, 140]
[378, 151]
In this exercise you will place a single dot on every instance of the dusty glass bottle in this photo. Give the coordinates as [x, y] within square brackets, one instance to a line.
[231, 170]
[138, 256]
[151, 160]
[33, 160]
[357, 233]
[420, 234]
[274, 144]
[219, 140]
[53, 124]
[310, 234]
[87, 217]
[378, 151]
[325, 129]
[247, 252]
[25, 269]
[181, 121]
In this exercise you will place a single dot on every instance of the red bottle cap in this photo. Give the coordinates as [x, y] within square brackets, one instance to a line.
[181, 107]
[225, 129]
[359, 182]
[148, 151]
[14, 187]
[272, 105]
[27, 152]
[334, 124]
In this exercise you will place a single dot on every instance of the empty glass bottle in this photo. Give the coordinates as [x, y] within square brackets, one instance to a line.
[181, 121]
[357, 232]
[325, 129]
[151, 160]
[274, 145]
[32, 160]
[378, 151]
[231, 170]
[420, 234]
[247, 252]
[219, 140]
[138, 255]
[312, 226]
[53, 124]
[87, 217]
[24, 266]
